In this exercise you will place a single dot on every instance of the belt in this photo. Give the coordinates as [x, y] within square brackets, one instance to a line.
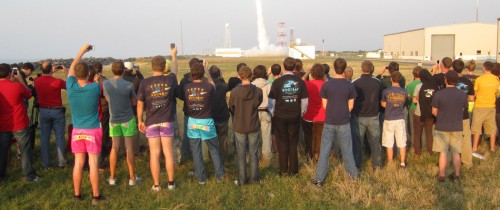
[263, 109]
[51, 107]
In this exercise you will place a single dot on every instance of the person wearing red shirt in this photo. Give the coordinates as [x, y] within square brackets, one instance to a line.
[14, 121]
[52, 114]
[314, 118]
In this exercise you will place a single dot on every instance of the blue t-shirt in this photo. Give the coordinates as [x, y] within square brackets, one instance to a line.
[338, 92]
[451, 103]
[395, 98]
[83, 102]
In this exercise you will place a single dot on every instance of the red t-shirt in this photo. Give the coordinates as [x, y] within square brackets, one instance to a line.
[315, 111]
[13, 113]
[48, 90]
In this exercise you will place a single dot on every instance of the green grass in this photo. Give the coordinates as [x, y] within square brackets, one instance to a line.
[389, 188]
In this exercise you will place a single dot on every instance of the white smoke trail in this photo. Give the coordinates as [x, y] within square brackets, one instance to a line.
[261, 28]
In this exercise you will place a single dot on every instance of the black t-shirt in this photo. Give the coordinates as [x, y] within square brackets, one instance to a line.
[395, 100]
[467, 87]
[158, 94]
[472, 78]
[369, 91]
[198, 97]
[233, 82]
[288, 91]
[220, 112]
[338, 92]
[440, 80]
[186, 79]
[450, 103]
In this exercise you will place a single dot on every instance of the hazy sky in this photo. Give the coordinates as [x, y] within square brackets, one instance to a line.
[37, 29]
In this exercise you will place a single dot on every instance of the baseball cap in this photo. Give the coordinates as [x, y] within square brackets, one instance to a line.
[451, 77]
[129, 65]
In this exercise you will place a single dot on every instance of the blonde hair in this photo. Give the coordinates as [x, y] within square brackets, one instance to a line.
[470, 65]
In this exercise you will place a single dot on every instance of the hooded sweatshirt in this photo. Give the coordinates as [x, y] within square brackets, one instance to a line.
[243, 104]
[265, 87]
[427, 91]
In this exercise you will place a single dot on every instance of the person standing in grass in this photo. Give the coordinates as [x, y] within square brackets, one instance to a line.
[485, 87]
[423, 118]
[220, 112]
[467, 87]
[156, 96]
[120, 95]
[338, 99]
[201, 126]
[412, 105]
[448, 106]
[288, 100]
[394, 100]
[260, 80]
[244, 102]
[86, 137]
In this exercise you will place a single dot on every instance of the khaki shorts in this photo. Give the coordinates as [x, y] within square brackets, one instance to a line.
[394, 129]
[447, 142]
[484, 117]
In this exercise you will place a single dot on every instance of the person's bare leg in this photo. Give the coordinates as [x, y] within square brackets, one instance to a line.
[390, 154]
[166, 143]
[78, 172]
[129, 147]
[476, 142]
[457, 163]
[113, 155]
[443, 160]
[402, 154]
[154, 159]
[94, 173]
[492, 143]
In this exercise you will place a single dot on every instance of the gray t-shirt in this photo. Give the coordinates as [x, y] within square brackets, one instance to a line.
[119, 94]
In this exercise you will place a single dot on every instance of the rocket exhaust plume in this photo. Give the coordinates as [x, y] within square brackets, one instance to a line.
[261, 28]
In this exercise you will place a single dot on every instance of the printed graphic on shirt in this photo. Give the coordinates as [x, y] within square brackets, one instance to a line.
[290, 91]
[396, 99]
[463, 87]
[429, 93]
[196, 96]
[159, 94]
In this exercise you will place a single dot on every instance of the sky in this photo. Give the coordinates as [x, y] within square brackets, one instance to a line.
[39, 29]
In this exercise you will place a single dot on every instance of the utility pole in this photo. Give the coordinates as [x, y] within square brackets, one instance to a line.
[182, 42]
[477, 10]
[324, 53]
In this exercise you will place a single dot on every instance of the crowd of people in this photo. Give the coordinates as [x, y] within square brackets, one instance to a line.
[269, 109]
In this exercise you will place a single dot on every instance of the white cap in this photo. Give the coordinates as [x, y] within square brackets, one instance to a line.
[129, 65]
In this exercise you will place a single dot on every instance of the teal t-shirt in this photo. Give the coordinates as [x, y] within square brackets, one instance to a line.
[83, 102]
[410, 89]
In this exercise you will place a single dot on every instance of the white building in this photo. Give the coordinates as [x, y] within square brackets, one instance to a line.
[498, 40]
[228, 52]
[467, 41]
[302, 51]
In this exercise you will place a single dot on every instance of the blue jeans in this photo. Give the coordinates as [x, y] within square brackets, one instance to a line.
[199, 165]
[252, 139]
[369, 127]
[341, 133]
[52, 120]
[22, 137]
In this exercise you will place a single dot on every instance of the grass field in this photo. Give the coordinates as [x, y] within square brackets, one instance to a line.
[389, 188]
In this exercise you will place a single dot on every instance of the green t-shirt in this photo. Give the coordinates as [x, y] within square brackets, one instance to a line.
[410, 89]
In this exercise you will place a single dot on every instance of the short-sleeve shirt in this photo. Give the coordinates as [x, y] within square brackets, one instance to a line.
[198, 97]
[395, 99]
[119, 94]
[288, 91]
[48, 90]
[158, 95]
[471, 77]
[369, 92]
[13, 114]
[411, 89]
[467, 87]
[83, 103]
[338, 92]
[486, 87]
[450, 103]
[315, 111]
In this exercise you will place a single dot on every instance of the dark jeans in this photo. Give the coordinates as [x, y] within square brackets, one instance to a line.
[287, 134]
[199, 165]
[366, 127]
[241, 141]
[52, 120]
[312, 136]
[222, 131]
[185, 149]
[22, 137]
[418, 126]
[106, 140]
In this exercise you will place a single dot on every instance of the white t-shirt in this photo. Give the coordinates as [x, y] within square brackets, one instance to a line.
[415, 94]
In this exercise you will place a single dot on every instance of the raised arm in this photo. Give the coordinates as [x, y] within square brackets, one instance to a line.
[209, 77]
[78, 58]
[174, 66]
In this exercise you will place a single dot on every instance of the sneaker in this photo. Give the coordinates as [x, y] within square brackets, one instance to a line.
[78, 197]
[403, 165]
[99, 199]
[456, 179]
[317, 183]
[156, 188]
[112, 182]
[134, 182]
[202, 182]
[477, 155]
[237, 182]
[34, 179]
[190, 173]
[441, 178]
[171, 187]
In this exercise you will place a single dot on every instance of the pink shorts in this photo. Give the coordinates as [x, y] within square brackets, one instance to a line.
[86, 140]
